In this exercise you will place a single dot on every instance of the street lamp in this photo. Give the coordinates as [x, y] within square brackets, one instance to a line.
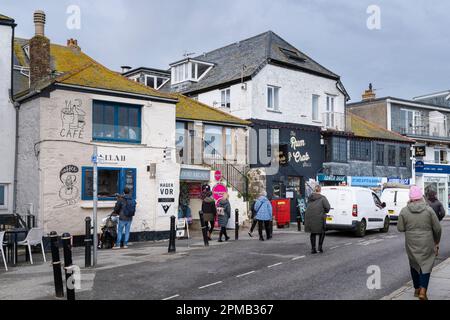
[413, 165]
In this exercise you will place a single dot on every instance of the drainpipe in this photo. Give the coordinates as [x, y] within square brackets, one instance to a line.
[16, 106]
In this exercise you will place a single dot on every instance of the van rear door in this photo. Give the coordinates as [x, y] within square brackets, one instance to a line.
[341, 206]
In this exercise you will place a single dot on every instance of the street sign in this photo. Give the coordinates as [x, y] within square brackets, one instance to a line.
[94, 159]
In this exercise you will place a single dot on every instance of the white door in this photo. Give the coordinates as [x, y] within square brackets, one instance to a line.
[340, 206]
[380, 212]
[366, 208]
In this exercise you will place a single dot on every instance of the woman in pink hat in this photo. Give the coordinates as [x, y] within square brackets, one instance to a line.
[422, 237]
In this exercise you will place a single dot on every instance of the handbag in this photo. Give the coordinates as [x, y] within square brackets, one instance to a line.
[220, 211]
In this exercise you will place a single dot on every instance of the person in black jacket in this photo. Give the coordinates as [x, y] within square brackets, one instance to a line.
[435, 204]
[209, 213]
[254, 221]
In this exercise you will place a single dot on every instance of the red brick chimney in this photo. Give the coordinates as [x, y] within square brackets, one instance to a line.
[39, 51]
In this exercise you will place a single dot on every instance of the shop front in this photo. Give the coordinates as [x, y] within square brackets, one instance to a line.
[331, 180]
[194, 182]
[300, 157]
[434, 177]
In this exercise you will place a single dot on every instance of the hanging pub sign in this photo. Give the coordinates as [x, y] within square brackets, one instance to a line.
[420, 151]
[166, 198]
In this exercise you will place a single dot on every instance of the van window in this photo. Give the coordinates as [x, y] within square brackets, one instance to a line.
[377, 201]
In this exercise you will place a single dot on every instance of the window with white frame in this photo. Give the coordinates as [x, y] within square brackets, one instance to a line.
[155, 82]
[3, 196]
[225, 101]
[190, 70]
[315, 108]
[273, 97]
[329, 115]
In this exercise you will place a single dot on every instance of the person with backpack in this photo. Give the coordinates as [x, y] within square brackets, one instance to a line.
[435, 204]
[126, 208]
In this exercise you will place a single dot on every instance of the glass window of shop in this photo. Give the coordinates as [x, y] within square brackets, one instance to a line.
[213, 141]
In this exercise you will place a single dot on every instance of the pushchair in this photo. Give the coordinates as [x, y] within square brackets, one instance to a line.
[108, 236]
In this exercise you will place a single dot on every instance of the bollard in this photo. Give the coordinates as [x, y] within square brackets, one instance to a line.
[299, 222]
[172, 247]
[236, 220]
[87, 244]
[204, 231]
[67, 264]
[56, 262]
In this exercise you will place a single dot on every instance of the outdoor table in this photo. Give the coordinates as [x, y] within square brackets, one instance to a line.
[14, 233]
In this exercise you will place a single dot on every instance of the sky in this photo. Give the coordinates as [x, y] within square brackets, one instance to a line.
[407, 55]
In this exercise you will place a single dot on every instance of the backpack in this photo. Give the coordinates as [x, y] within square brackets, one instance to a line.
[129, 208]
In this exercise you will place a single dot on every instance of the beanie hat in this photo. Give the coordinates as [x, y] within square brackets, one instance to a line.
[415, 193]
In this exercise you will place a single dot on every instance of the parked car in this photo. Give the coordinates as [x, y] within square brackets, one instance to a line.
[396, 199]
[355, 209]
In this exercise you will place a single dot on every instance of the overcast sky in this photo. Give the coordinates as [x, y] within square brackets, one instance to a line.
[407, 57]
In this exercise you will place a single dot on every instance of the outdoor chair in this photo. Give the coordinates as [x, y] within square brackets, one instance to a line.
[2, 235]
[34, 238]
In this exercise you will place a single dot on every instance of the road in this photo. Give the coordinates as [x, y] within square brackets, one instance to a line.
[282, 268]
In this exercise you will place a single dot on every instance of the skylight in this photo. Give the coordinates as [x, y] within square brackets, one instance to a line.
[291, 54]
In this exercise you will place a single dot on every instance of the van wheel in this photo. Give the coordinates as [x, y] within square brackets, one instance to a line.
[361, 229]
[387, 223]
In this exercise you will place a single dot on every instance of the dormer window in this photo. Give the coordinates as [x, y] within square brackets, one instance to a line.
[26, 49]
[155, 82]
[190, 70]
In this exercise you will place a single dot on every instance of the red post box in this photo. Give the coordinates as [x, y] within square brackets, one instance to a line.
[282, 212]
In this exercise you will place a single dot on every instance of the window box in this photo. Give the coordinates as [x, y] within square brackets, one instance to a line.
[116, 122]
[111, 181]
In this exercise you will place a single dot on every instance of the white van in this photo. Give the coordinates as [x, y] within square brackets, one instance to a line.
[356, 209]
[396, 199]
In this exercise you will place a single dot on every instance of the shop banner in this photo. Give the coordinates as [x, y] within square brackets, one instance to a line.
[166, 198]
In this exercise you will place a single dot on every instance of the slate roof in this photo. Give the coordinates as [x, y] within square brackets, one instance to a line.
[366, 129]
[5, 20]
[253, 53]
[72, 67]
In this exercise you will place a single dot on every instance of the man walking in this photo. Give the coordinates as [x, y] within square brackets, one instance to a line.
[126, 209]
[315, 215]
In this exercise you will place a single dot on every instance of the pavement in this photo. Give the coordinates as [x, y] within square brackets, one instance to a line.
[282, 268]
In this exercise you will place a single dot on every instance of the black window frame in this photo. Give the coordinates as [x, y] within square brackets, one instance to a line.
[403, 159]
[379, 154]
[392, 152]
[360, 150]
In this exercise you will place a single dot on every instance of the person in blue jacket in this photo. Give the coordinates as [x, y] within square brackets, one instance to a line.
[263, 210]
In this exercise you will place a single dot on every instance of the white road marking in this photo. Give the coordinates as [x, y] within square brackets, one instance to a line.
[245, 274]
[275, 265]
[298, 258]
[210, 285]
[172, 297]
[348, 244]
[334, 248]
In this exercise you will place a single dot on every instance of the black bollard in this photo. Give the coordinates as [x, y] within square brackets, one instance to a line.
[172, 247]
[204, 231]
[67, 248]
[88, 244]
[299, 222]
[56, 262]
[236, 222]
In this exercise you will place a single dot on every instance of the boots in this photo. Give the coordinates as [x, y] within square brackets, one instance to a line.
[423, 294]
[313, 243]
[220, 237]
[321, 240]
[416, 293]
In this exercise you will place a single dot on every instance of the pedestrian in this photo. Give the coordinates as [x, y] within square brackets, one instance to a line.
[422, 238]
[209, 212]
[435, 204]
[263, 214]
[315, 218]
[254, 221]
[126, 208]
[301, 205]
[223, 215]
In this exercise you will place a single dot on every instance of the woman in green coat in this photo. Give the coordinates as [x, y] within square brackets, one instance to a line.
[422, 237]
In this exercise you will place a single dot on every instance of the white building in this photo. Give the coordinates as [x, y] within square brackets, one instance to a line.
[7, 118]
[72, 105]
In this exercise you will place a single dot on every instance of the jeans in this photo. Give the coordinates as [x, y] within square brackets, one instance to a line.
[420, 280]
[127, 225]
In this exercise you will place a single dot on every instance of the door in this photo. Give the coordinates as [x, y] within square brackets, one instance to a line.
[380, 212]
[341, 204]
[367, 208]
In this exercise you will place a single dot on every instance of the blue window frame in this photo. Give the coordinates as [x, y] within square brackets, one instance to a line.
[113, 121]
[111, 181]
